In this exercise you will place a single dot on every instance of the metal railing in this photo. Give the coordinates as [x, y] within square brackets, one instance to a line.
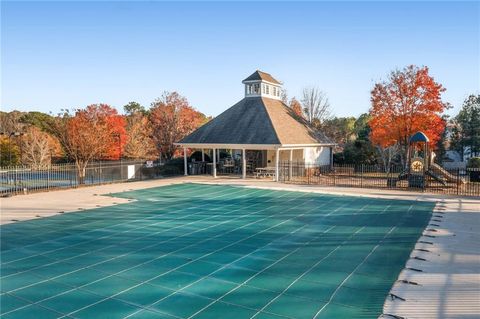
[23, 179]
[464, 182]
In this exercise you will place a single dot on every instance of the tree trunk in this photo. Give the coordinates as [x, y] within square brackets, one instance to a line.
[81, 172]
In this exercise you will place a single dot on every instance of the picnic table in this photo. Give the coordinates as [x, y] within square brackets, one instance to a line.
[265, 172]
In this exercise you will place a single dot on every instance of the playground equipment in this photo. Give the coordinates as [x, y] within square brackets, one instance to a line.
[421, 164]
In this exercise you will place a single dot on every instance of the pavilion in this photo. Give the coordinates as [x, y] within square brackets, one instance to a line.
[262, 125]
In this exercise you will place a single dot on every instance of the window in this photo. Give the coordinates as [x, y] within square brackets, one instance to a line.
[256, 88]
[263, 88]
[268, 88]
[274, 91]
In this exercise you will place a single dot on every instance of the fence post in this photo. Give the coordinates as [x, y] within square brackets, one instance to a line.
[334, 177]
[458, 181]
[121, 169]
[361, 175]
[308, 173]
[15, 180]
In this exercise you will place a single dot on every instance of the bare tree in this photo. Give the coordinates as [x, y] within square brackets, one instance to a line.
[10, 122]
[36, 148]
[315, 106]
[387, 155]
[284, 96]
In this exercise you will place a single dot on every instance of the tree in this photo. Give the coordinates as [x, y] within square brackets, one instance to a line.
[387, 155]
[10, 122]
[133, 108]
[9, 152]
[357, 152]
[296, 107]
[361, 127]
[284, 96]
[88, 134]
[409, 101]
[37, 148]
[172, 118]
[340, 129]
[466, 127]
[315, 106]
[139, 137]
[27, 134]
[38, 119]
[115, 150]
[443, 141]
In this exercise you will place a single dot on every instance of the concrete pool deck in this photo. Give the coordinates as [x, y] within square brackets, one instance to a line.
[444, 276]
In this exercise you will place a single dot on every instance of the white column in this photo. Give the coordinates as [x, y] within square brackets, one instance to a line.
[214, 167]
[244, 164]
[185, 161]
[290, 165]
[331, 157]
[203, 155]
[277, 162]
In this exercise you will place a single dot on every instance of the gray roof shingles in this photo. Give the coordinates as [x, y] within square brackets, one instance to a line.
[257, 120]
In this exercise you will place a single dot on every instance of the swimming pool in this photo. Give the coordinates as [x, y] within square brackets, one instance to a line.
[211, 251]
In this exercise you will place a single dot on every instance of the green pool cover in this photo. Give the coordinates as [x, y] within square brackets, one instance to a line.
[210, 251]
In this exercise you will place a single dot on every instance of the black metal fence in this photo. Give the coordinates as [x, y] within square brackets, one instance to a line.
[23, 179]
[464, 182]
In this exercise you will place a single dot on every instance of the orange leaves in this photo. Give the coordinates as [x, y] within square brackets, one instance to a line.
[97, 131]
[117, 126]
[408, 102]
[296, 107]
[172, 119]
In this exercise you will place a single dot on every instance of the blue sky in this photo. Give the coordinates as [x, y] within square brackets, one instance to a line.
[70, 54]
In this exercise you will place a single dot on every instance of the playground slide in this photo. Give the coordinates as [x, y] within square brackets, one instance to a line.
[436, 177]
[441, 172]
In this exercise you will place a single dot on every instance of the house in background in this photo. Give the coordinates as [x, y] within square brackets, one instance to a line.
[262, 130]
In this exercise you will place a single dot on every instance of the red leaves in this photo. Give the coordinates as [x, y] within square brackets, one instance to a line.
[409, 102]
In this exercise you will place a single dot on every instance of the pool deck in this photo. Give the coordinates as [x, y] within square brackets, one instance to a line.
[447, 255]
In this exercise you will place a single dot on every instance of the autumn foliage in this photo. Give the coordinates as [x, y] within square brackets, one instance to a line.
[172, 118]
[408, 102]
[296, 107]
[139, 138]
[115, 148]
[95, 132]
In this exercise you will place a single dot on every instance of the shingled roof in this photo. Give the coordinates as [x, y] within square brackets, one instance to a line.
[257, 120]
[261, 76]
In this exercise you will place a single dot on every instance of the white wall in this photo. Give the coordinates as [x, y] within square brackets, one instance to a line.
[309, 155]
[285, 155]
[317, 155]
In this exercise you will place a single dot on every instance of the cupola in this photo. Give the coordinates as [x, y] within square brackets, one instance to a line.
[262, 84]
